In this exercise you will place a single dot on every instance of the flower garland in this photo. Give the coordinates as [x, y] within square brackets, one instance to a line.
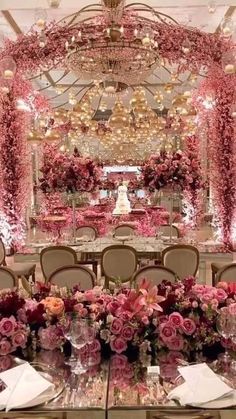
[192, 192]
[14, 164]
[15, 159]
[220, 130]
[70, 173]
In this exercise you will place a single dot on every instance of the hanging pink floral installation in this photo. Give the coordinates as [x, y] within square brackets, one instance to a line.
[191, 49]
[15, 159]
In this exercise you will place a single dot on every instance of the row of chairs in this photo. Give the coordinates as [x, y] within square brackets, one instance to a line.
[125, 230]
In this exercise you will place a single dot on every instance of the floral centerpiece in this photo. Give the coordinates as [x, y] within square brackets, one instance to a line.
[149, 319]
[70, 173]
[170, 170]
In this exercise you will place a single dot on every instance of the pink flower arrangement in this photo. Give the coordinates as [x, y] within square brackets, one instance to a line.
[13, 335]
[71, 173]
[176, 171]
[177, 317]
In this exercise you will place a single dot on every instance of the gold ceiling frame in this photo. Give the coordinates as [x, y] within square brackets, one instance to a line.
[98, 8]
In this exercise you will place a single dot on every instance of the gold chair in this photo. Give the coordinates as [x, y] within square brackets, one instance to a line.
[20, 269]
[166, 229]
[124, 230]
[87, 231]
[182, 259]
[7, 278]
[154, 273]
[72, 275]
[227, 273]
[55, 257]
[119, 262]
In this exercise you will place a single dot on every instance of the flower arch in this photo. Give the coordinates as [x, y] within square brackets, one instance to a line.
[206, 52]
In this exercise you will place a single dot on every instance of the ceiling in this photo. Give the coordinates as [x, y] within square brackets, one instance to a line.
[18, 16]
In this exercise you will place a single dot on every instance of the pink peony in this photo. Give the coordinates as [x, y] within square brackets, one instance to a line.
[5, 347]
[19, 339]
[188, 326]
[167, 331]
[127, 332]
[116, 326]
[176, 319]
[118, 345]
[7, 326]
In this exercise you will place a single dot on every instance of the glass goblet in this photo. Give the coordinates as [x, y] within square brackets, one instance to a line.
[224, 326]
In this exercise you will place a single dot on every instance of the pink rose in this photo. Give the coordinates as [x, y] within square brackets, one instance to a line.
[113, 306]
[90, 296]
[167, 331]
[5, 347]
[116, 326]
[19, 339]
[207, 297]
[6, 362]
[176, 319]
[176, 343]
[173, 357]
[188, 326]
[220, 295]
[223, 285]
[118, 345]
[7, 326]
[127, 332]
[119, 361]
[194, 304]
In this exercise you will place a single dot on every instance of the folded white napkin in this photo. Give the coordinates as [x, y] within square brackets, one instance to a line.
[201, 385]
[23, 385]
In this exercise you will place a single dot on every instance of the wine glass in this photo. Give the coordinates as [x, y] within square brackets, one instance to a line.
[77, 331]
[224, 325]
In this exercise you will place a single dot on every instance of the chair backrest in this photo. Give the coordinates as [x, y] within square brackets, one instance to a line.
[124, 230]
[72, 275]
[227, 273]
[54, 257]
[87, 231]
[2, 253]
[165, 229]
[7, 278]
[119, 262]
[182, 259]
[154, 273]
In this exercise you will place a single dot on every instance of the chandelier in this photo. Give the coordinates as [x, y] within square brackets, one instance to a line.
[118, 46]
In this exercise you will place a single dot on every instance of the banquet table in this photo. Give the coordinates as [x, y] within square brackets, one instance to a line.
[108, 392]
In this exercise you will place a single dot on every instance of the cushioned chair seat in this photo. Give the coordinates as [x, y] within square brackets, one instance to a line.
[23, 269]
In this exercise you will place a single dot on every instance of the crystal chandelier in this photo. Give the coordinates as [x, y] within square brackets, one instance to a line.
[119, 45]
